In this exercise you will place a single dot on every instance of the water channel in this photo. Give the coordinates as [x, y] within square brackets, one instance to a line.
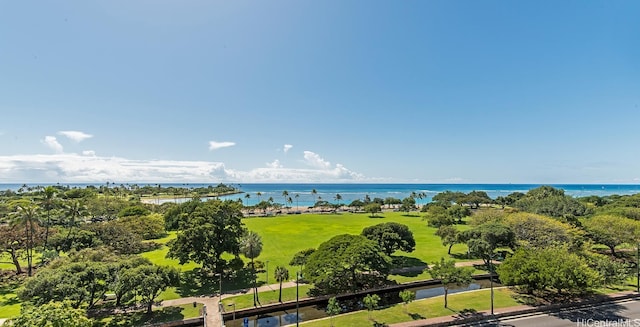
[311, 312]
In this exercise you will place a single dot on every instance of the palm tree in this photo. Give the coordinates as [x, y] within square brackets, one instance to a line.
[338, 198]
[259, 194]
[48, 203]
[285, 195]
[282, 274]
[73, 212]
[314, 193]
[297, 206]
[27, 215]
[251, 246]
[247, 196]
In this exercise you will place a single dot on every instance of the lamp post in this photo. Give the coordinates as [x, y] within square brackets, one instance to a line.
[220, 293]
[638, 269]
[297, 306]
[234, 309]
[267, 272]
[491, 280]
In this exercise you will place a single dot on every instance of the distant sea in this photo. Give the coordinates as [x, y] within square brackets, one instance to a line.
[350, 192]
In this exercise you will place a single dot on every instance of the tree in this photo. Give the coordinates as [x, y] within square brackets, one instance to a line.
[281, 274]
[27, 218]
[437, 216]
[150, 280]
[485, 239]
[314, 193]
[338, 198]
[407, 296]
[13, 241]
[333, 308]
[251, 247]
[450, 276]
[448, 197]
[612, 230]
[476, 198]
[73, 213]
[52, 314]
[148, 227]
[300, 258]
[449, 236]
[391, 237]
[549, 201]
[408, 204]
[215, 226]
[347, 263]
[247, 196]
[548, 268]
[538, 231]
[285, 195]
[372, 208]
[371, 302]
[458, 212]
[48, 204]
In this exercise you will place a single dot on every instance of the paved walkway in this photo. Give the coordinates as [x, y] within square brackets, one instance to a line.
[211, 302]
[508, 311]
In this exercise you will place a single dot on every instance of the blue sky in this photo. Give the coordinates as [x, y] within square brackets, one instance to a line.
[320, 91]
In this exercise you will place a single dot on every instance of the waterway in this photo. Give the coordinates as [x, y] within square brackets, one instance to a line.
[312, 312]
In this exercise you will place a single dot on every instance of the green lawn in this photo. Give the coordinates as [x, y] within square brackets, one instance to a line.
[422, 309]
[282, 236]
[268, 297]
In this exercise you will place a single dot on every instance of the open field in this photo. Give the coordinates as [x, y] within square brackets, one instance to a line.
[283, 236]
[422, 309]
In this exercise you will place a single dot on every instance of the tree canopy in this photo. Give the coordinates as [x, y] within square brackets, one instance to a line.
[391, 237]
[347, 263]
[212, 229]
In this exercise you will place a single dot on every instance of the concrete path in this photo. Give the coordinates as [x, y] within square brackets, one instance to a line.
[211, 302]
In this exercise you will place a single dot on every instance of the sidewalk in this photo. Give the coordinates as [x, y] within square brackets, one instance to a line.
[510, 311]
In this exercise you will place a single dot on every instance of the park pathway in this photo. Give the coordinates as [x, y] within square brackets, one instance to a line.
[212, 302]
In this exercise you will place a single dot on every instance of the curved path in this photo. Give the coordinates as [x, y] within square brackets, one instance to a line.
[212, 302]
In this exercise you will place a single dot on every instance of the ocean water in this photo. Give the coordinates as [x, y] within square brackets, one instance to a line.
[350, 192]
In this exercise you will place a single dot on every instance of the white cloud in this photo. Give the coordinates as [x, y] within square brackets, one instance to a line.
[287, 147]
[314, 160]
[69, 168]
[275, 164]
[213, 145]
[76, 136]
[52, 143]
[88, 168]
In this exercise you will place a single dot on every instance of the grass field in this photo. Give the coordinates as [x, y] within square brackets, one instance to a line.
[422, 309]
[268, 297]
[283, 236]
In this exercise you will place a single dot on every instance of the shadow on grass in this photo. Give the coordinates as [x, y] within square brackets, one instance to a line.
[376, 216]
[417, 316]
[194, 283]
[411, 215]
[379, 324]
[407, 266]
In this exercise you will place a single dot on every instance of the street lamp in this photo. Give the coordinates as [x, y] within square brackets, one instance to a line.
[234, 309]
[638, 269]
[220, 293]
[297, 306]
[491, 280]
